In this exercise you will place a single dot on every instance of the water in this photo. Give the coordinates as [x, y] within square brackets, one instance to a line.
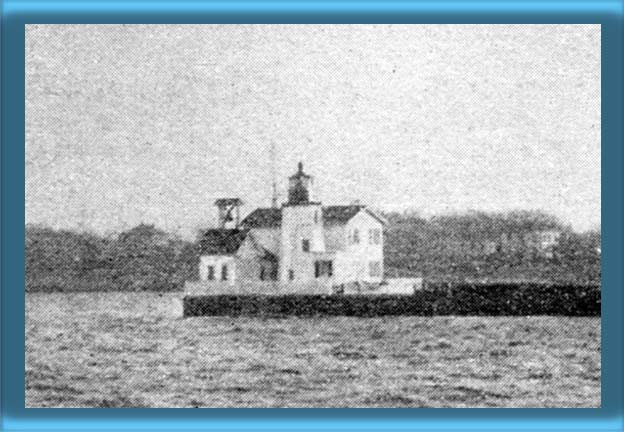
[135, 350]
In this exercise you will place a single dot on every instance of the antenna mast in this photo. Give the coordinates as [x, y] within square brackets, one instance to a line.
[273, 181]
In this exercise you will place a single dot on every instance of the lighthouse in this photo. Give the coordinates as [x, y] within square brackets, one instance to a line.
[302, 230]
[300, 247]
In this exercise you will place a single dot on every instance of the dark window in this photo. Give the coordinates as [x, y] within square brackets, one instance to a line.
[224, 272]
[261, 273]
[374, 268]
[374, 236]
[211, 273]
[305, 245]
[356, 236]
[291, 274]
[323, 268]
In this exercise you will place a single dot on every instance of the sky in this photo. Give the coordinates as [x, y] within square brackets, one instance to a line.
[129, 124]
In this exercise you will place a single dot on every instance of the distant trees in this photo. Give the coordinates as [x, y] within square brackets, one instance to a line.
[62, 251]
[142, 258]
[489, 246]
[460, 247]
[579, 254]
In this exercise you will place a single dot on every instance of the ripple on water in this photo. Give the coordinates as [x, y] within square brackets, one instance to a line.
[126, 350]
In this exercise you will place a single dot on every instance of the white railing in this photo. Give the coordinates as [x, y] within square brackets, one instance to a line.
[200, 288]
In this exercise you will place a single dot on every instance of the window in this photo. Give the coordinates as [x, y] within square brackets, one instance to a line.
[374, 236]
[261, 273]
[316, 217]
[291, 274]
[323, 268]
[211, 273]
[374, 268]
[224, 272]
[305, 245]
[355, 239]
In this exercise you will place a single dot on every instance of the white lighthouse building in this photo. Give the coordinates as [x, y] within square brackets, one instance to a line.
[302, 247]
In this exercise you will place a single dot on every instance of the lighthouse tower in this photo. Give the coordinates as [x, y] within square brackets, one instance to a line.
[302, 230]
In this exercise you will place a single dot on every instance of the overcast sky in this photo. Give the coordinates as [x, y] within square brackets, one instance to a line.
[130, 124]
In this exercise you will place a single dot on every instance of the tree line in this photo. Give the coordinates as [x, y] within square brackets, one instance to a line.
[490, 247]
[142, 258]
[459, 247]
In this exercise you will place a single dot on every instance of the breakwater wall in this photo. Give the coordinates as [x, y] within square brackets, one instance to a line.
[466, 299]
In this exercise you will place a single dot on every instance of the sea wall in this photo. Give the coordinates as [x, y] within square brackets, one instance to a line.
[480, 300]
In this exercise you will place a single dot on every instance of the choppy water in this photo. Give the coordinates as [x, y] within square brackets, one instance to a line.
[134, 350]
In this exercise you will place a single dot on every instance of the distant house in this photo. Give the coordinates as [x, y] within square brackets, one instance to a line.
[539, 242]
[544, 241]
[490, 247]
[302, 246]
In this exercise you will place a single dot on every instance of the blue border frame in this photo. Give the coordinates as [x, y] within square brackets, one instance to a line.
[16, 14]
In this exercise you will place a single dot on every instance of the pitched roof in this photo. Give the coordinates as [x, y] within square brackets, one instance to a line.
[263, 252]
[377, 216]
[340, 214]
[343, 213]
[272, 217]
[221, 241]
[263, 218]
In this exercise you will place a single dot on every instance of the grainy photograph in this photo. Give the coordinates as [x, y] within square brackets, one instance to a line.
[313, 216]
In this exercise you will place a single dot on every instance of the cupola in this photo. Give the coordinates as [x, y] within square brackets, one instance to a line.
[299, 186]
